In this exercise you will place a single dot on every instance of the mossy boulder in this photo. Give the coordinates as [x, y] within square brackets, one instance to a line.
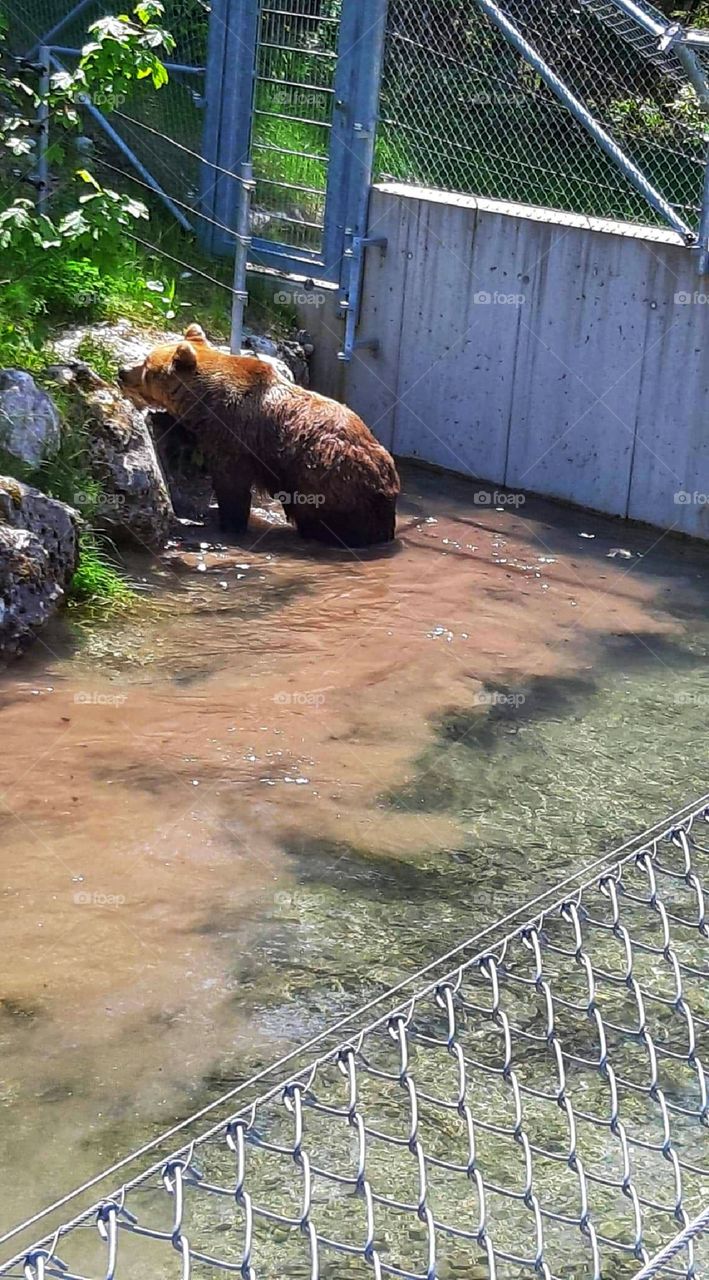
[131, 502]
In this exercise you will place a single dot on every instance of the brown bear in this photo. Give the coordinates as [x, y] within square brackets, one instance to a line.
[336, 482]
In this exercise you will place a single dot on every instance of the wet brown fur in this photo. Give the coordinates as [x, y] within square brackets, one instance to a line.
[259, 431]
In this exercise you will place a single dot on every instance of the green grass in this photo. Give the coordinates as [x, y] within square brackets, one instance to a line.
[99, 357]
[98, 583]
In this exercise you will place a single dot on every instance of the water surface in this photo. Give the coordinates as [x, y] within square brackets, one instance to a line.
[293, 776]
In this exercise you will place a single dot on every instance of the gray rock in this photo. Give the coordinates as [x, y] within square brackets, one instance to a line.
[285, 354]
[39, 549]
[135, 505]
[261, 345]
[30, 424]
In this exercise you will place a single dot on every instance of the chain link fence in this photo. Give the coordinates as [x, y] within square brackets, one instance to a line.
[462, 111]
[539, 1109]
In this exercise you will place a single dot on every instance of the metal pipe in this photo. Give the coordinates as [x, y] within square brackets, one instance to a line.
[125, 150]
[692, 37]
[693, 70]
[704, 222]
[364, 138]
[180, 67]
[695, 74]
[241, 255]
[696, 38]
[584, 117]
[681, 46]
[43, 131]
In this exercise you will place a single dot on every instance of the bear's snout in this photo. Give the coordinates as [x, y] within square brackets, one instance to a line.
[130, 383]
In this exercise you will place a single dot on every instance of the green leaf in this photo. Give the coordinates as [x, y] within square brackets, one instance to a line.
[88, 177]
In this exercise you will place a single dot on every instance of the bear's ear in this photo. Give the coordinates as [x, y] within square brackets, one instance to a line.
[184, 359]
[195, 333]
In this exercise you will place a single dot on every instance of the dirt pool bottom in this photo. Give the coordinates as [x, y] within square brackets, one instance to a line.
[293, 776]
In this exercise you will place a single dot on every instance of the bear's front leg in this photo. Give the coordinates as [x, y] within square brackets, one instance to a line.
[234, 501]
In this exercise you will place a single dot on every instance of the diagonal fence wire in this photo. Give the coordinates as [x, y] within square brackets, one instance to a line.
[539, 1108]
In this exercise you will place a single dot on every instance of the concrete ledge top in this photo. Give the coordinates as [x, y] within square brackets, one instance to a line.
[534, 213]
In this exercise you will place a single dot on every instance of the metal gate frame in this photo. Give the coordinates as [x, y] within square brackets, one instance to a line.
[230, 88]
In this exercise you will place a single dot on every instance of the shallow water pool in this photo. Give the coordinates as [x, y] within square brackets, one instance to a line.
[292, 776]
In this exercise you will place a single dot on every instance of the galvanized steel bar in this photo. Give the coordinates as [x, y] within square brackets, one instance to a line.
[43, 129]
[241, 253]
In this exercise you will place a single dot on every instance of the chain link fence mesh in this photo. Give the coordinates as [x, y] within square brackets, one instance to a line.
[541, 1110]
[462, 111]
[174, 116]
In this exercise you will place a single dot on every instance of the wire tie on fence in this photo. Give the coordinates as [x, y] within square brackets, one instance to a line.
[107, 1226]
[35, 1263]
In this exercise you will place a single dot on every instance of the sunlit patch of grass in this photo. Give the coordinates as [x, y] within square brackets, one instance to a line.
[97, 581]
[99, 357]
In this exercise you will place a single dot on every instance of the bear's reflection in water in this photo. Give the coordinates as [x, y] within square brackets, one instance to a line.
[192, 794]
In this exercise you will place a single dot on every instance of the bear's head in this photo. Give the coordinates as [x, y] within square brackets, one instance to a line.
[165, 378]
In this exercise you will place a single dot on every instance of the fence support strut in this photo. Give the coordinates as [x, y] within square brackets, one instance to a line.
[241, 254]
[43, 131]
[584, 118]
[682, 42]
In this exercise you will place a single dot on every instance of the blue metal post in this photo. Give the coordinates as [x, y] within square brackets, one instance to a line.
[229, 92]
[365, 114]
[345, 112]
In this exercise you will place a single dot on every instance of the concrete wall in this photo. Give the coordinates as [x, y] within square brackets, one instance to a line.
[540, 351]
